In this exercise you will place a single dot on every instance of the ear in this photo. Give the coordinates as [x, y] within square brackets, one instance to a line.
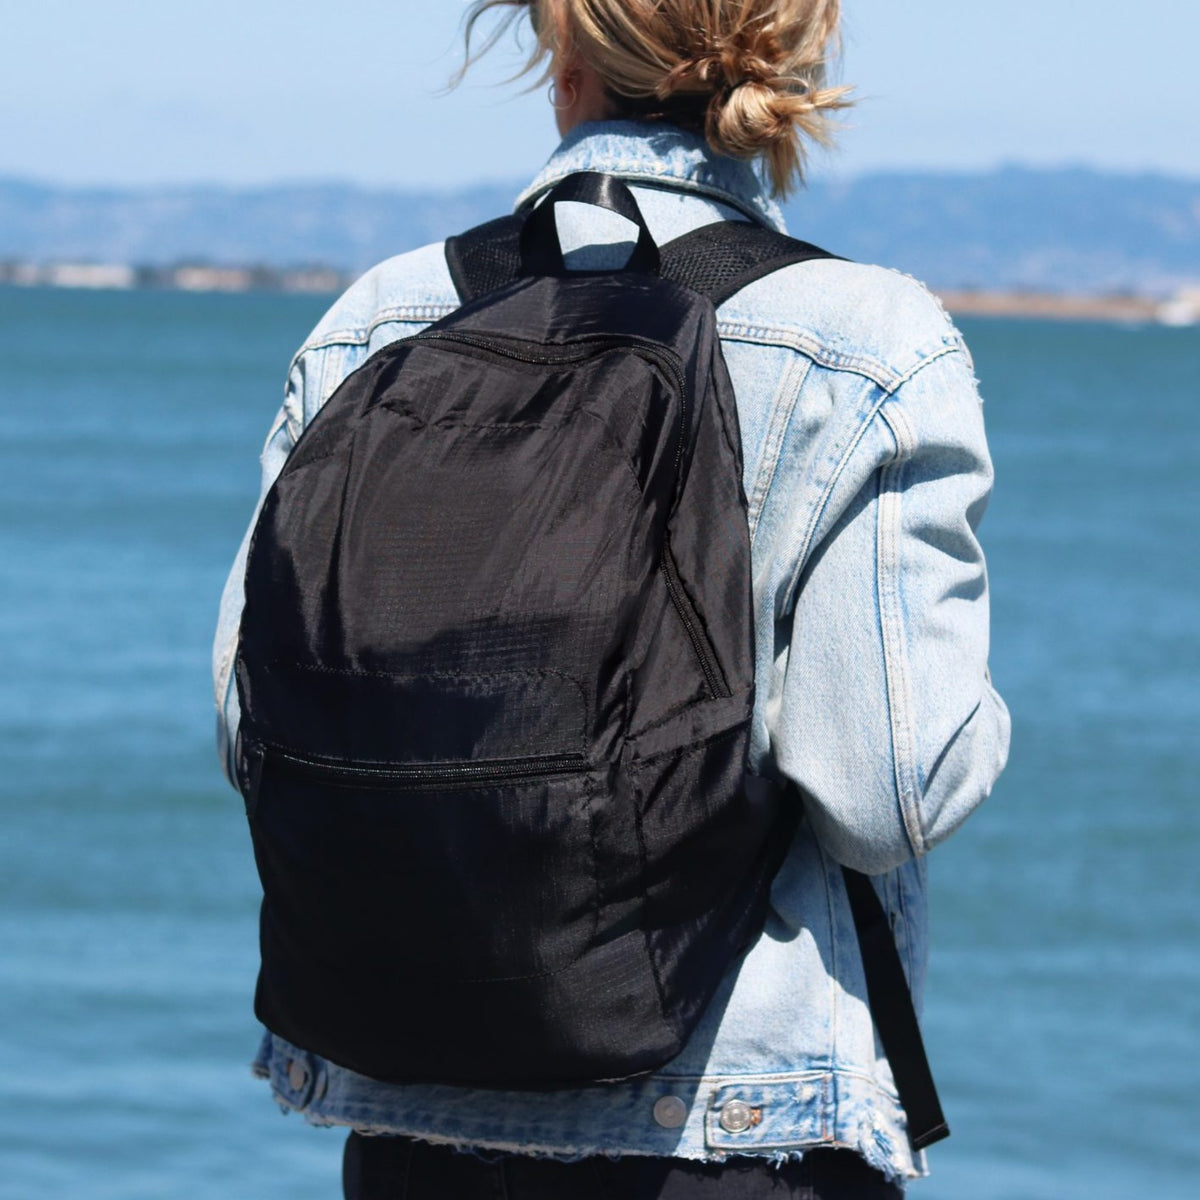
[567, 67]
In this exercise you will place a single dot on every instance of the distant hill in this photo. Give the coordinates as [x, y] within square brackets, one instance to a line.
[1055, 230]
[337, 225]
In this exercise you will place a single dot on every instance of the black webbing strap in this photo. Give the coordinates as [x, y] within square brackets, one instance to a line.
[541, 251]
[715, 260]
[892, 1010]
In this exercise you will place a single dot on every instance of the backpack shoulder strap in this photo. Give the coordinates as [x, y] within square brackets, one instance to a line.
[720, 259]
[485, 258]
[716, 260]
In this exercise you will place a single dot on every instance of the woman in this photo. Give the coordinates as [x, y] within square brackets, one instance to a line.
[867, 473]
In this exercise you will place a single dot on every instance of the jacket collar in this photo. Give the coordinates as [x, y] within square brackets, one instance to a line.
[660, 155]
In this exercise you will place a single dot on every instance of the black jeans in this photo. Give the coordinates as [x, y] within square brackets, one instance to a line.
[395, 1168]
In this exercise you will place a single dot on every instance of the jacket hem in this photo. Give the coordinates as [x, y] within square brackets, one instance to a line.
[792, 1113]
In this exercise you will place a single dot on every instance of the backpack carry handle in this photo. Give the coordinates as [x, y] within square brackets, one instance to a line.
[541, 251]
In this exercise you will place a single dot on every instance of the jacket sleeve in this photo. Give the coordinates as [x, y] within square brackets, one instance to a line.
[883, 713]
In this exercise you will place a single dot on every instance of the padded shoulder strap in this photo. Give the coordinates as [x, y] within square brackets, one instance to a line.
[720, 259]
[715, 260]
[485, 258]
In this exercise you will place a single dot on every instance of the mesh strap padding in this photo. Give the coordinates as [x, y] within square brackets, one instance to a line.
[720, 259]
[485, 258]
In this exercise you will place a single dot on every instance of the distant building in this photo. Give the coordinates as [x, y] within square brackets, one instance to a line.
[211, 279]
[88, 275]
[1182, 309]
[312, 279]
[186, 277]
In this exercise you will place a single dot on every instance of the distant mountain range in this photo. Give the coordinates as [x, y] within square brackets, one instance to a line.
[1066, 230]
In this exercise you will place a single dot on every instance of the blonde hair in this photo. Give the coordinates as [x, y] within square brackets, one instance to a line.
[748, 74]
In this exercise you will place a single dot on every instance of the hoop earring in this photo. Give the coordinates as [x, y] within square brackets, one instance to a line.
[552, 94]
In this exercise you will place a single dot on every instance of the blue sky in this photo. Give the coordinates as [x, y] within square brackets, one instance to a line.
[253, 91]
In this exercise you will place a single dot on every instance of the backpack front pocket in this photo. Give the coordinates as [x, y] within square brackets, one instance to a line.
[471, 870]
[407, 904]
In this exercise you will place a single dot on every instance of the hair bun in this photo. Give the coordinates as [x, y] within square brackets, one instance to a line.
[756, 116]
[752, 96]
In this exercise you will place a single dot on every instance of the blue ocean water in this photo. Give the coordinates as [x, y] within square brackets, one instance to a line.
[1063, 1009]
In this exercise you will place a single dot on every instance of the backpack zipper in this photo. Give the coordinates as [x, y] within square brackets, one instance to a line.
[570, 352]
[563, 352]
[697, 635]
[434, 776]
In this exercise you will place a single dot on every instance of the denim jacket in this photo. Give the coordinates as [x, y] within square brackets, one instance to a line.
[867, 473]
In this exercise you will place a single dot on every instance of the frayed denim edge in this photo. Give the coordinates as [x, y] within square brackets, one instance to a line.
[870, 1151]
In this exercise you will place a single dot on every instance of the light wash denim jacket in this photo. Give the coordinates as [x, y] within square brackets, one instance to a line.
[867, 473]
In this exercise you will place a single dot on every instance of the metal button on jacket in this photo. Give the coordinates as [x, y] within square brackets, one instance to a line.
[736, 1116]
[670, 1112]
[297, 1074]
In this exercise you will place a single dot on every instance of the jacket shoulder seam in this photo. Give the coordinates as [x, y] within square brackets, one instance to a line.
[922, 363]
[887, 378]
[361, 334]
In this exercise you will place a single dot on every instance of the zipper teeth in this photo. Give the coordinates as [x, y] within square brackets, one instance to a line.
[695, 635]
[564, 353]
[415, 774]
[521, 351]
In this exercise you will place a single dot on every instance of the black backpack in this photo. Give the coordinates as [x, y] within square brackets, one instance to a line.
[496, 675]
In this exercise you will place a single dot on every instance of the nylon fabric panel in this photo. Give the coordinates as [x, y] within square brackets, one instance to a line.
[668, 675]
[324, 847]
[710, 539]
[696, 840]
[444, 717]
[560, 1028]
[521, 562]
[533, 567]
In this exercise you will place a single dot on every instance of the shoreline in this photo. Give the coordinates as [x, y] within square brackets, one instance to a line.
[1180, 310]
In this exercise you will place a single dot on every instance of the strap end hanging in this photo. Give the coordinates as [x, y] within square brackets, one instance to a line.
[891, 1005]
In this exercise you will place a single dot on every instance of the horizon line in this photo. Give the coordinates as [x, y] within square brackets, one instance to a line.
[818, 178]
